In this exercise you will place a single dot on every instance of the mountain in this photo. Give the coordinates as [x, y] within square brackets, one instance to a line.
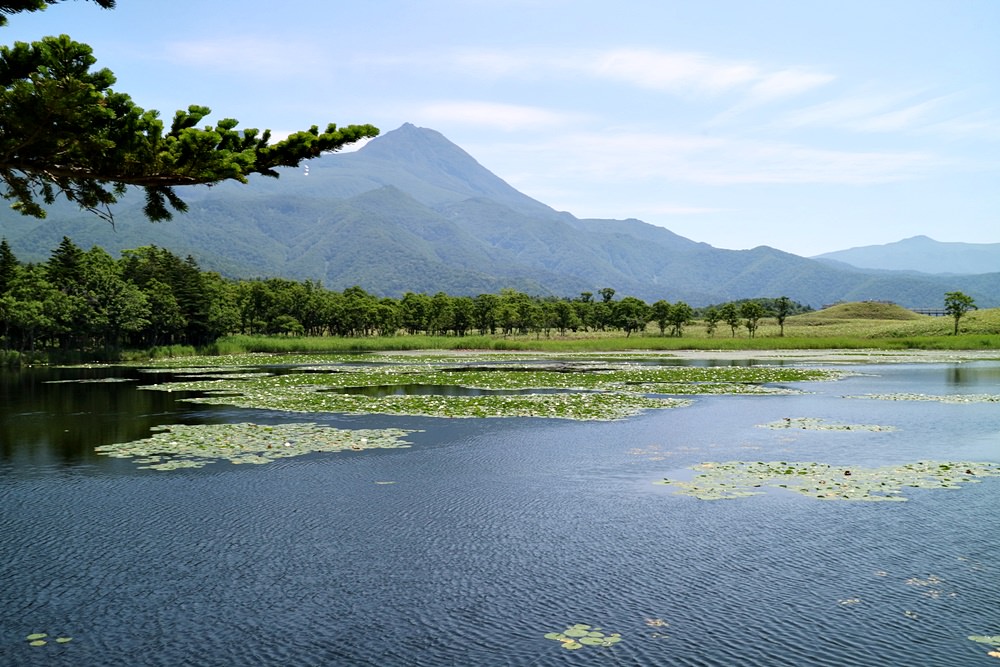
[411, 211]
[922, 254]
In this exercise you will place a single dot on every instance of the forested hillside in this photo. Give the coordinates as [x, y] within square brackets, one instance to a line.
[411, 211]
[86, 301]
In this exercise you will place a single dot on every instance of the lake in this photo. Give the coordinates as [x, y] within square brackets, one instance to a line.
[471, 545]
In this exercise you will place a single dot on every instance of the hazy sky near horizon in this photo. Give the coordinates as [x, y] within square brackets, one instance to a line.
[807, 126]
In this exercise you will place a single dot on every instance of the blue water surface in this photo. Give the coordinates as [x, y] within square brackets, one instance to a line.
[486, 534]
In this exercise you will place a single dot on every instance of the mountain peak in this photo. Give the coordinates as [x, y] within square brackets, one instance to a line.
[410, 142]
[429, 156]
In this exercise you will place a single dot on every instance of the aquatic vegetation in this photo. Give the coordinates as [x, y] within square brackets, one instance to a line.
[814, 424]
[738, 479]
[580, 635]
[993, 640]
[946, 398]
[589, 406]
[41, 639]
[545, 388]
[194, 446]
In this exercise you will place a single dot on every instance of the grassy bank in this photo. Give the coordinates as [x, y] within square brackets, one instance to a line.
[851, 326]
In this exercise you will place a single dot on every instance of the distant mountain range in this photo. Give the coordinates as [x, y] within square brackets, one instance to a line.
[411, 211]
[922, 254]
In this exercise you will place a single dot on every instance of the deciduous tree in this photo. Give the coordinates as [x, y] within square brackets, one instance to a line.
[957, 305]
[751, 312]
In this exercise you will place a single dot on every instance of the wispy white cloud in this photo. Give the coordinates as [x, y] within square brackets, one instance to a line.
[673, 72]
[979, 125]
[871, 112]
[245, 55]
[508, 117]
[695, 159]
[787, 83]
[676, 73]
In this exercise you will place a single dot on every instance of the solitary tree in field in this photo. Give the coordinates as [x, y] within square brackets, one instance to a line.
[65, 131]
[958, 304]
[782, 308]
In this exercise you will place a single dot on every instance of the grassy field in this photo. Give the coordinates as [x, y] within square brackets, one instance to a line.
[845, 326]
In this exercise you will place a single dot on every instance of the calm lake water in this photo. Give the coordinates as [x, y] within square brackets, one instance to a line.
[494, 532]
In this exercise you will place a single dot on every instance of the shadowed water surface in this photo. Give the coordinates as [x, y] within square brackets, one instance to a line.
[486, 534]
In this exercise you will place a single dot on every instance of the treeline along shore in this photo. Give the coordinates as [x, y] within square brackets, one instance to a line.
[88, 304]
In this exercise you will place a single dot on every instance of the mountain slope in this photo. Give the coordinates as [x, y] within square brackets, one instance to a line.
[411, 211]
[923, 254]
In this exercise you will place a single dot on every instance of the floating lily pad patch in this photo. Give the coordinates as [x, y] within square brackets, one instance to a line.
[945, 398]
[193, 446]
[814, 424]
[589, 392]
[737, 479]
[577, 636]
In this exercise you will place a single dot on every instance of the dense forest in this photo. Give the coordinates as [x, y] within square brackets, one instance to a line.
[90, 302]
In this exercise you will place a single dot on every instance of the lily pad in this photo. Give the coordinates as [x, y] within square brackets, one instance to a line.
[992, 640]
[592, 641]
[37, 635]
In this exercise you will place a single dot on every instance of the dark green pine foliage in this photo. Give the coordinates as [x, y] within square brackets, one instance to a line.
[151, 267]
[65, 267]
[65, 131]
[8, 267]
[192, 297]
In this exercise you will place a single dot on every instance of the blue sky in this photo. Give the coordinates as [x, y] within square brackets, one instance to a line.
[805, 125]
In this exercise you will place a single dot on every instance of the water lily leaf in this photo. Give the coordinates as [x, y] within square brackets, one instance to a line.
[592, 641]
[63, 640]
[572, 645]
[558, 636]
[993, 640]
[38, 642]
[575, 632]
[37, 635]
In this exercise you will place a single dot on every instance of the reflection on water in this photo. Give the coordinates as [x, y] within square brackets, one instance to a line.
[60, 414]
[470, 546]
[967, 377]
